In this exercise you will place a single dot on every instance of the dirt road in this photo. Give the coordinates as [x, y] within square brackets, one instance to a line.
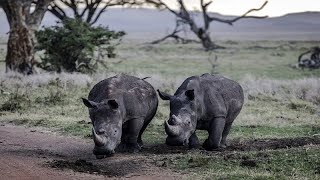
[28, 153]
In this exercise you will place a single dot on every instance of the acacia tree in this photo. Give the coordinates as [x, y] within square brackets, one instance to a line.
[24, 17]
[184, 15]
[87, 10]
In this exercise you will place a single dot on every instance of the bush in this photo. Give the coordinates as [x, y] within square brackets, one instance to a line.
[72, 45]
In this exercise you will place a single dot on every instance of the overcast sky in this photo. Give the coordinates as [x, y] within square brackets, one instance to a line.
[273, 8]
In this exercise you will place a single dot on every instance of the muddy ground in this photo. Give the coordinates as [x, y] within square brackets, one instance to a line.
[36, 154]
[29, 153]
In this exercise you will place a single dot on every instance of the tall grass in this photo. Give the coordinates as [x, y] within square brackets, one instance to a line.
[13, 79]
[307, 89]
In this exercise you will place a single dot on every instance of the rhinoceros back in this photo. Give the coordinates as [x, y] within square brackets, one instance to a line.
[138, 96]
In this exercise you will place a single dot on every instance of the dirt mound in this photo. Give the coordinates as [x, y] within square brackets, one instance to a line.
[81, 165]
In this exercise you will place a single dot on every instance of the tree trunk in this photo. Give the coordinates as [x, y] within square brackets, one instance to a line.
[206, 40]
[23, 23]
[20, 51]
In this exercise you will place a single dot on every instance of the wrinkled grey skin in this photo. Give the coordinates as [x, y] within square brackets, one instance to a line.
[206, 102]
[120, 109]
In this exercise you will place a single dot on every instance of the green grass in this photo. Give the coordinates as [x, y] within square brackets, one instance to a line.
[263, 59]
[278, 105]
[295, 163]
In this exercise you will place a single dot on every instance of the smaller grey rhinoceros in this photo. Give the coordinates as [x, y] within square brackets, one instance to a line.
[206, 102]
[120, 109]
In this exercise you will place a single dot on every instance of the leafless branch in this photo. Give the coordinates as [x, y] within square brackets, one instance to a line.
[175, 35]
[245, 15]
[160, 4]
[92, 8]
[56, 10]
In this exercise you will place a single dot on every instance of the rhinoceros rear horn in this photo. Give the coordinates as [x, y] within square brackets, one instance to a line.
[164, 96]
[172, 130]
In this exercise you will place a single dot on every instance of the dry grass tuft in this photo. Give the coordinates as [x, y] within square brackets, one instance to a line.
[12, 79]
[307, 89]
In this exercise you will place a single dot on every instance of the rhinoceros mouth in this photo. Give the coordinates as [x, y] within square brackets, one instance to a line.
[100, 152]
[101, 156]
[176, 141]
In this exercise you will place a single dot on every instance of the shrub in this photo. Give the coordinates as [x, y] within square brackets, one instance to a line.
[15, 102]
[71, 46]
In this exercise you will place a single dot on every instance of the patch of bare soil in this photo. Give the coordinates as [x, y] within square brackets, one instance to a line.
[116, 169]
[262, 144]
[36, 154]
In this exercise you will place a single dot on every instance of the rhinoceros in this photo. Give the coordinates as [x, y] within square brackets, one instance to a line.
[120, 108]
[206, 102]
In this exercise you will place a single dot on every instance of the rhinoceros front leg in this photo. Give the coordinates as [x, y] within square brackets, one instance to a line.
[193, 141]
[129, 139]
[215, 134]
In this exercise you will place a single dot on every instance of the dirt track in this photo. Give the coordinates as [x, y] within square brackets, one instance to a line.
[26, 153]
[29, 154]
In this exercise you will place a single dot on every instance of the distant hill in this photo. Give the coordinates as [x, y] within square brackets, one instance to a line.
[151, 24]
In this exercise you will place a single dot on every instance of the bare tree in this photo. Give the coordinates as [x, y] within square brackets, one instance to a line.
[175, 35]
[202, 32]
[24, 17]
[87, 10]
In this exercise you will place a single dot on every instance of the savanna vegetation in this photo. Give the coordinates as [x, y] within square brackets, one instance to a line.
[281, 108]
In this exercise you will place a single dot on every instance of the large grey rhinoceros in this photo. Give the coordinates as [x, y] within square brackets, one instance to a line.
[120, 109]
[206, 102]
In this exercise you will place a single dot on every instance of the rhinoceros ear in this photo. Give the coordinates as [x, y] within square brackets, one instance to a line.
[164, 96]
[190, 94]
[89, 104]
[113, 104]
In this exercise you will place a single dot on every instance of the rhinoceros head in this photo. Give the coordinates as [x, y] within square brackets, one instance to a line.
[107, 125]
[182, 120]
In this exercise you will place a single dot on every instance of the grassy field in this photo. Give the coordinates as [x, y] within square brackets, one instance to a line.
[281, 101]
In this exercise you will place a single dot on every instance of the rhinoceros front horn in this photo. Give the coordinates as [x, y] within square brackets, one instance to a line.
[98, 140]
[172, 130]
